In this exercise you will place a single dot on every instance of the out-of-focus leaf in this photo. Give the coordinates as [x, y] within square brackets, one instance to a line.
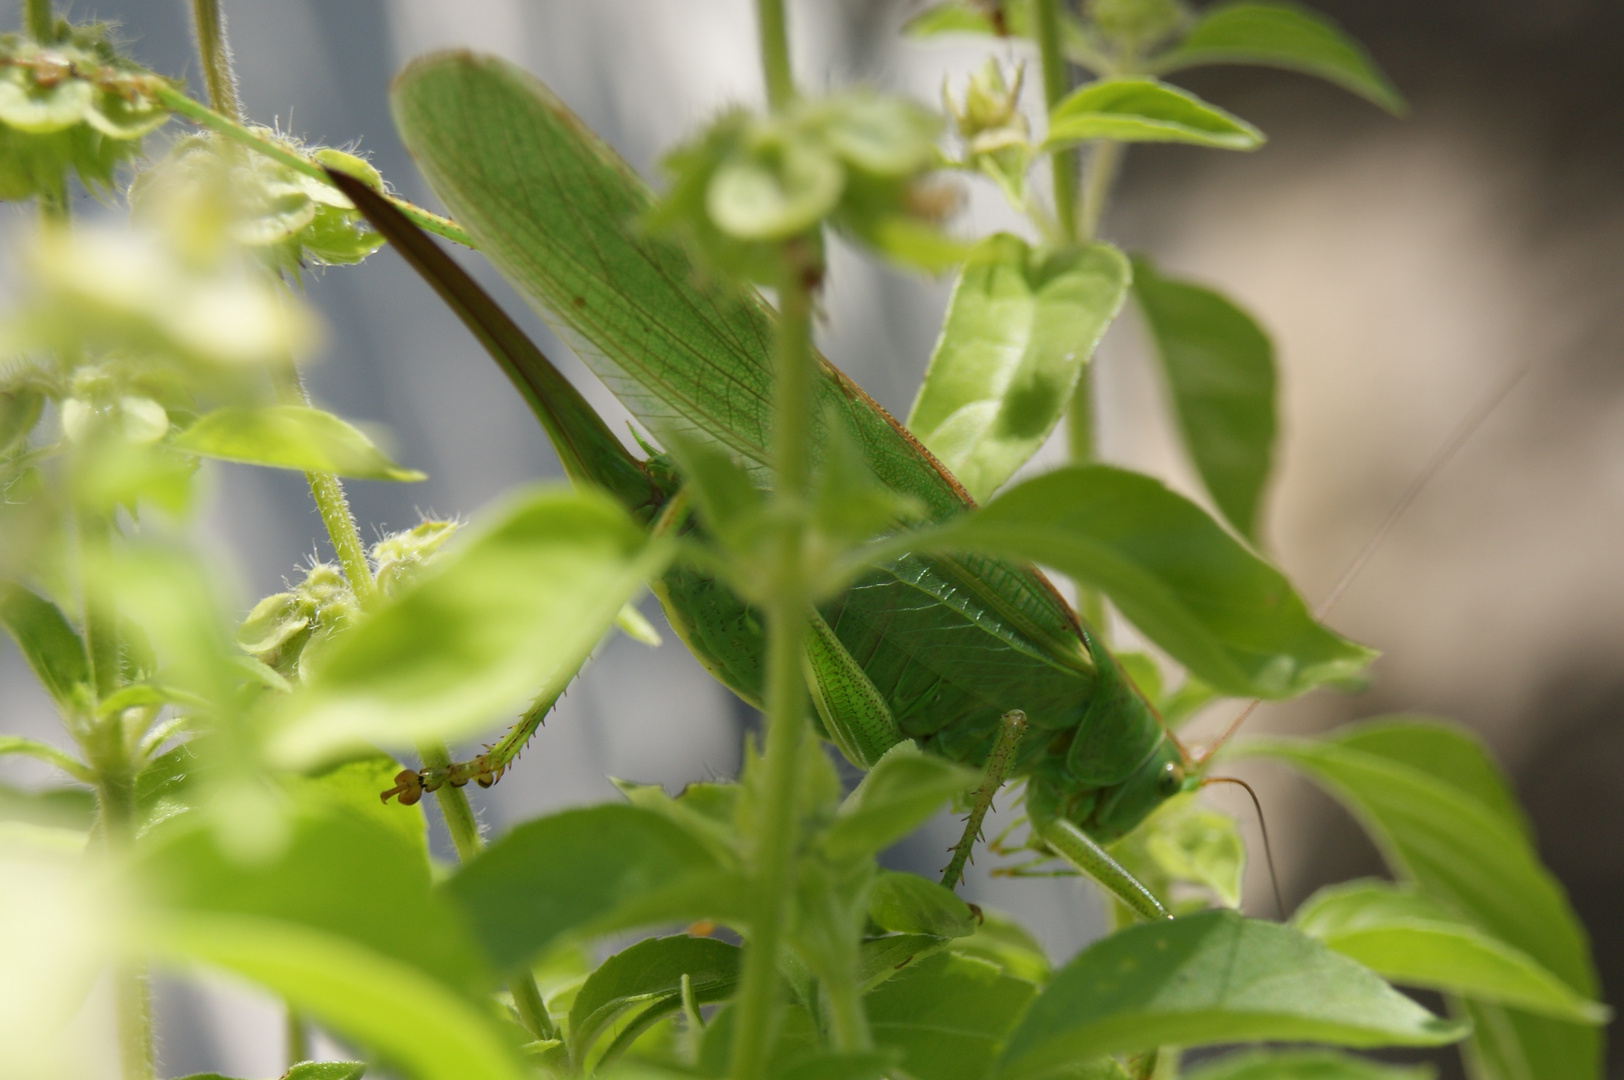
[1490, 876]
[16, 744]
[1303, 1065]
[1210, 978]
[1282, 36]
[947, 1015]
[1144, 110]
[880, 958]
[648, 976]
[575, 872]
[904, 788]
[909, 904]
[1219, 367]
[69, 808]
[1186, 842]
[1433, 801]
[507, 616]
[380, 1002]
[46, 639]
[291, 437]
[1411, 939]
[1002, 941]
[1020, 329]
[307, 1070]
[354, 786]
[1226, 615]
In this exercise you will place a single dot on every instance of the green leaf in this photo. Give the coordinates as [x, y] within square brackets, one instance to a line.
[1210, 978]
[380, 1002]
[46, 639]
[1226, 615]
[1219, 367]
[1144, 110]
[1020, 329]
[1187, 842]
[909, 904]
[575, 872]
[1282, 36]
[1433, 802]
[773, 197]
[1303, 1065]
[68, 808]
[905, 787]
[354, 786]
[648, 976]
[307, 1070]
[339, 874]
[1412, 939]
[509, 615]
[947, 1015]
[1002, 941]
[880, 958]
[16, 744]
[291, 437]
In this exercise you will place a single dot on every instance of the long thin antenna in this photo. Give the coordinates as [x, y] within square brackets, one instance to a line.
[1458, 438]
[1268, 852]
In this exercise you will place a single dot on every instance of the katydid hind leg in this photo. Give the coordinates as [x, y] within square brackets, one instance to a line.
[1080, 850]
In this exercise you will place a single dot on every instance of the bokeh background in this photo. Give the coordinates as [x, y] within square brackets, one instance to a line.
[1405, 269]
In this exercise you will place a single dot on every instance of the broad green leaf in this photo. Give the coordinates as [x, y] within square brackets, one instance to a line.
[1020, 329]
[909, 904]
[1003, 941]
[880, 958]
[1219, 368]
[574, 872]
[291, 437]
[1282, 36]
[947, 1015]
[1144, 110]
[69, 808]
[354, 786]
[506, 617]
[1210, 978]
[1435, 806]
[340, 874]
[386, 1005]
[1303, 1065]
[905, 787]
[1412, 939]
[46, 639]
[648, 976]
[1226, 615]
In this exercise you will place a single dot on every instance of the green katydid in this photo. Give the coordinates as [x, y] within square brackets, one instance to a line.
[934, 647]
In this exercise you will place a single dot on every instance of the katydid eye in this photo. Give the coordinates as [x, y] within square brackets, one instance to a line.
[1171, 780]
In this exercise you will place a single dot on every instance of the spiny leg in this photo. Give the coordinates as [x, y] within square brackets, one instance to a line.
[485, 770]
[1011, 727]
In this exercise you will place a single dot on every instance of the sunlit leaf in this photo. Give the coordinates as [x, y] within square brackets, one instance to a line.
[909, 904]
[1144, 110]
[1414, 940]
[1020, 329]
[903, 789]
[1283, 36]
[1210, 978]
[946, 1015]
[648, 977]
[504, 618]
[1303, 1065]
[291, 437]
[1226, 615]
[1219, 367]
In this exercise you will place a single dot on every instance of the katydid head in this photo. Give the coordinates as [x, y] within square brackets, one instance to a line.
[1122, 806]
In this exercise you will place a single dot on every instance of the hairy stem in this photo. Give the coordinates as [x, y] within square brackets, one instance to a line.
[775, 53]
[777, 832]
[38, 21]
[848, 1024]
[215, 53]
[132, 997]
[1056, 82]
[195, 111]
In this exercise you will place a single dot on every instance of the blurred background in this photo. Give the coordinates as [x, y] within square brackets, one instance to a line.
[1406, 269]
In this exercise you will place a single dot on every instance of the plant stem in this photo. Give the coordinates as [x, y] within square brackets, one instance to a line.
[1103, 166]
[1056, 83]
[38, 21]
[132, 997]
[848, 1024]
[212, 49]
[777, 835]
[775, 53]
[298, 1043]
[195, 111]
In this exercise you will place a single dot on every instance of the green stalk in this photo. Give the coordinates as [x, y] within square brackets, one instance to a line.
[297, 1039]
[848, 1023]
[38, 21]
[1103, 166]
[215, 53]
[775, 53]
[777, 832]
[195, 111]
[132, 996]
[1056, 83]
